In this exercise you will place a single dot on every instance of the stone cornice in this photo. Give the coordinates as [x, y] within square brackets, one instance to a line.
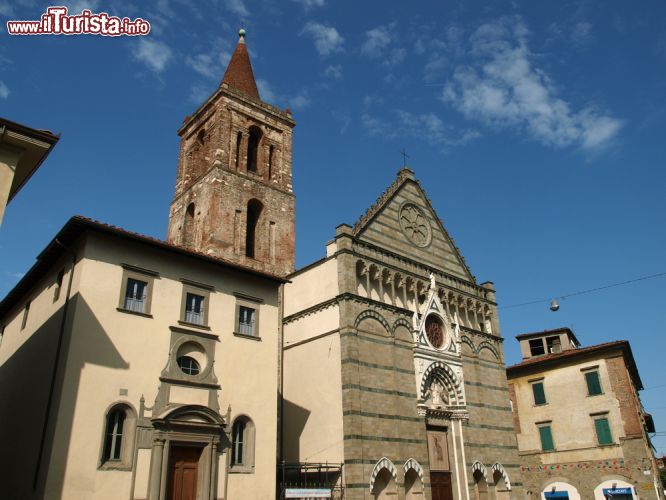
[418, 266]
[479, 333]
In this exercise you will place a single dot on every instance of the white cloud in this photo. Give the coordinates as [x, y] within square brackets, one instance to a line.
[211, 64]
[333, 71]
[500, 86]
[577, 32]
[426, 126]
[309, 4]
[376, 41]
[327, 40]
[299, 102]
[266, 91]
[4, 90]
[156, 55]
[380, 43]
[268, 94]
[237, 7]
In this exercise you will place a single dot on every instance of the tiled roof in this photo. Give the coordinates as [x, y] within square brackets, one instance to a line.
[546, 332]
[538, 362]
[79, 224]
[239, 74]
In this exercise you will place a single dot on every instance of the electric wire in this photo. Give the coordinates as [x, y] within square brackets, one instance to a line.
[582, 292]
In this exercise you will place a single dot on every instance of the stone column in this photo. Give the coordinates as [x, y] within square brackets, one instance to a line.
[464, 460]
[213, 471]
[156, 459]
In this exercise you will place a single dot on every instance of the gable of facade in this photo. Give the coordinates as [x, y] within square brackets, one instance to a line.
[404, 222]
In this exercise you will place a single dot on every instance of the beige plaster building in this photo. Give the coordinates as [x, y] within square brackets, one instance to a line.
[393, 362]
[22, 151]
[581, 428]
[132, 368]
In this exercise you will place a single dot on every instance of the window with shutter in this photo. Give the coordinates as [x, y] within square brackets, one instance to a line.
[539, 393]
[593, 383]
[546, 436]
[603, 431]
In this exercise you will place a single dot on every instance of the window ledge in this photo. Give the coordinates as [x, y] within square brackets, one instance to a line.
[194, 325]
[241, 469]
[595, 395]
[113, 465]
[135, 313]
[249, 337]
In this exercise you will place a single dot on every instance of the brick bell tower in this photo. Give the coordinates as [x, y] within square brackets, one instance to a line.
[233, 195]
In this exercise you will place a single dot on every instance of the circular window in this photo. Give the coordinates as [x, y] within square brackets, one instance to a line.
[435, 331]
[188, 365]
[415, 225]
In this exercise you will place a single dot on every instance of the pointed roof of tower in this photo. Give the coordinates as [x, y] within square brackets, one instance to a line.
[239, 74]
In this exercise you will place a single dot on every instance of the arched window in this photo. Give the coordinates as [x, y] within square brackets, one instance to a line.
[384, 486]
[113, 439]
[413, 485]
[239, 138]
[480, 485]
[119, 426]
[188, 226]
[435, 331]
[253, 149]
[242, 444]
[254, 208]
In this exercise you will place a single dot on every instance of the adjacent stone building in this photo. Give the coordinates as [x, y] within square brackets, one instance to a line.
[393, 360]
[582, 431]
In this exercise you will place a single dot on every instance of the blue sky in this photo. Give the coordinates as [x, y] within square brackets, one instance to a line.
[537, 129]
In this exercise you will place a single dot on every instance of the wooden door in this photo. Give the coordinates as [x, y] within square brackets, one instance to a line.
[440, 484]
[183, 472]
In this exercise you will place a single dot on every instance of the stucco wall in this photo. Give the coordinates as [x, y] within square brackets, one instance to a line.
[115, 356]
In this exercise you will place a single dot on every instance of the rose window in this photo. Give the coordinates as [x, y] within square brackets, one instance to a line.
[415, 225]
[434, 331]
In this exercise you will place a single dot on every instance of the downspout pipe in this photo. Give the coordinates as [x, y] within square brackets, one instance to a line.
[56, 363]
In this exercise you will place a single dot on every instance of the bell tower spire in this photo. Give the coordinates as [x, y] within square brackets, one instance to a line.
[239, 74]
[233, 196]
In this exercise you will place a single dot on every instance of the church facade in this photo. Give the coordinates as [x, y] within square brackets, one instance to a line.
[393, 361]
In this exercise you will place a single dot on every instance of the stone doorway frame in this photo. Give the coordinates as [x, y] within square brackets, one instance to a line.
[187, 425]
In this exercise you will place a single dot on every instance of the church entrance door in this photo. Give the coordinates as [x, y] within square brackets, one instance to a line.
[183, 472]
[440, 483]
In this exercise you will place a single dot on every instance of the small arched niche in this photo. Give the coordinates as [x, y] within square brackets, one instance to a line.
[253, 144]
[254, 209]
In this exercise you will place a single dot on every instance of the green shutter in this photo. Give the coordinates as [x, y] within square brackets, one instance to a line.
[546, 438]
[593, 383]
[539, 393]
[603, 431]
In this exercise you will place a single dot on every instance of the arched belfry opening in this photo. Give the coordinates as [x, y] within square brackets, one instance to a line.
[188, 226]
[253, 142]
[254, 209]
